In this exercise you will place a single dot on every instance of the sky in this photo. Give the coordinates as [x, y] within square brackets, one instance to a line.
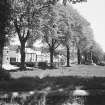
[94, 12]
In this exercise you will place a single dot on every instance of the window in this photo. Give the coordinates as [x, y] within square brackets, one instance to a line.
[12, 59]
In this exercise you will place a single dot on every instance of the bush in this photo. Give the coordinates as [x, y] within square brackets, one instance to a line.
[4, 75]
[30, 64]
[15, 63]
[42, 65]
[101, 64]
[54, 66]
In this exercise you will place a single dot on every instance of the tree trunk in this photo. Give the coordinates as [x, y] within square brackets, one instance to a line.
[91, 60]
[51, 57]
[1, 51]
[85, 58]
[1, 57]
[68, 56]
[22, 66]
[78, 56]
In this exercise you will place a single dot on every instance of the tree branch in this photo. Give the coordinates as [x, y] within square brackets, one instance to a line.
[53, 42]
[17, 29]
[47, 41]
[27, 36]
[23, 33]
[57, 46]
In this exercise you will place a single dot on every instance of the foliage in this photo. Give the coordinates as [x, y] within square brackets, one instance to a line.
[82, 35]
[56, 83]
[94, 52]
[64, 2]
[50, 20]
[69, 28]
[28, 64]
[49, 29]
[4, 75]
[64, 27]
[25, 19]
[74, 30]
[42, 65]
[97, 52]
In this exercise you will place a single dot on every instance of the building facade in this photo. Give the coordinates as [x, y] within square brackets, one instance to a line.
[12, 54]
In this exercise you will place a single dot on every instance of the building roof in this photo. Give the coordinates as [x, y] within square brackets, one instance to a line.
[12, 47]
[29, 50]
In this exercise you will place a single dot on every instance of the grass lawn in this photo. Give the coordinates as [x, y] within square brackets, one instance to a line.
[89, 77]
[76, 70]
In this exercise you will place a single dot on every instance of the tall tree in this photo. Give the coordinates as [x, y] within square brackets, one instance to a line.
[64, 29]
[66, 17]
[49, 29]
[4, 16]
[66, 41]
[78, 36]
[25, 19]
[96, 52]
[79, 41]
[87, 42]
[75, 24]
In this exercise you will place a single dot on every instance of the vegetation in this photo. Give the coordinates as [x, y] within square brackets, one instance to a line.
[64, 29]
[42, 65]
[56, 24]
[25, 20]
[4, 75]
[63, 25]
[49, 29]
[71, 27]
[96, 53]
[55, 83]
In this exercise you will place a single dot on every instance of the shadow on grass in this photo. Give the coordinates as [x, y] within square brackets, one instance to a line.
[29, 83]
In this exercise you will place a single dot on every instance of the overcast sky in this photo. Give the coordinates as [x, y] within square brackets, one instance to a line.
[94, 12]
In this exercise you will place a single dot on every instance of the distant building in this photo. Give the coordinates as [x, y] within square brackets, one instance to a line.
[12, 54]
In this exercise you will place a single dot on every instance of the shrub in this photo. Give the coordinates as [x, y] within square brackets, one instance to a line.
[42, 65]
[15, 63]
[101, 63]
[4, 75]
[30, 64]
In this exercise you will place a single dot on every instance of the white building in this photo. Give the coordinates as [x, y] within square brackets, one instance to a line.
[12, 54]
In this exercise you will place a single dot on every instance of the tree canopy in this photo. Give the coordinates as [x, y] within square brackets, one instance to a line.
[26, 23]
[55, 23]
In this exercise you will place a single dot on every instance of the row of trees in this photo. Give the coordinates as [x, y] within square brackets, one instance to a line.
[54, 23]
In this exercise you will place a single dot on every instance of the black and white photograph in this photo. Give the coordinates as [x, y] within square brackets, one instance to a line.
[52, 52]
